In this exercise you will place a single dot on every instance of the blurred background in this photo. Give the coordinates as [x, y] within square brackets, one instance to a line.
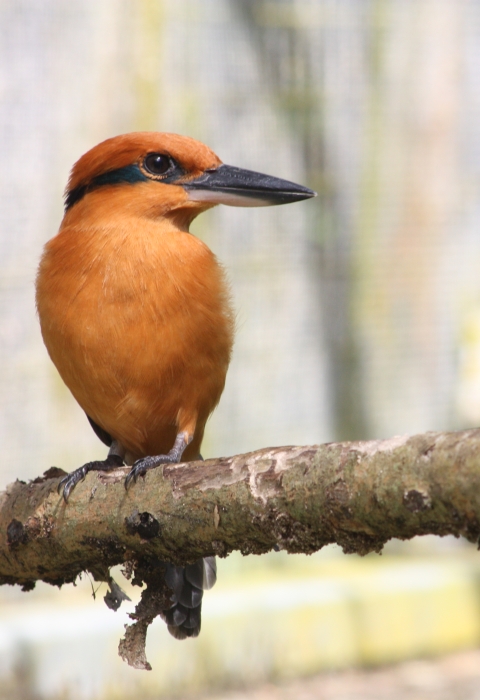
[358, 312]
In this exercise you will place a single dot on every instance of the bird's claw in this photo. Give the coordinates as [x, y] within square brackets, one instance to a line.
[136, 471]
[68, 483]
[141, 466]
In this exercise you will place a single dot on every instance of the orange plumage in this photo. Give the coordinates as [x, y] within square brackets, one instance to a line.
[135, 313]
[134, 310]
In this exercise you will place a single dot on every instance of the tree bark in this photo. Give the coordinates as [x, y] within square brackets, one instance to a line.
[357, 494]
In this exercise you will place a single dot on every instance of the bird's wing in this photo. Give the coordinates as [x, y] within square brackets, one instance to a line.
[100, 432]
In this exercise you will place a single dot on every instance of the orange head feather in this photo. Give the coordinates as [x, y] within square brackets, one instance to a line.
[131, 149]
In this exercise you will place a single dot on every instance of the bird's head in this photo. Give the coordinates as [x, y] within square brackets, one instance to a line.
[153, 174]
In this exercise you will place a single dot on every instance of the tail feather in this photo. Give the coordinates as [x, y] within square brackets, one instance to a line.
[187, 583]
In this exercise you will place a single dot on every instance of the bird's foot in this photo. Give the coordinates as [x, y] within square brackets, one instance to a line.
[141, 466]
[68, 483]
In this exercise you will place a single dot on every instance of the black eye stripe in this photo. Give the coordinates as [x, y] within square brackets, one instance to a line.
[129, 174]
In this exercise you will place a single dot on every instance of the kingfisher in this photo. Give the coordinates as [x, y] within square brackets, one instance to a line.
[136, 313]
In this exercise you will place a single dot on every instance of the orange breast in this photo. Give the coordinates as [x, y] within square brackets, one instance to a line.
[138, 322]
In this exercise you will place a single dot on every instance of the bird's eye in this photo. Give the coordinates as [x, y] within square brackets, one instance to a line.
[157, 163]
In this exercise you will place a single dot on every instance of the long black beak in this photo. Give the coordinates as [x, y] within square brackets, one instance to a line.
[244, 188]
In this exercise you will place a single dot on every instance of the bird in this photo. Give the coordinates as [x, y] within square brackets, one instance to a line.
[136, 314]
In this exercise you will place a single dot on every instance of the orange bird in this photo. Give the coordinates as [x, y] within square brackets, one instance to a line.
[135, 311]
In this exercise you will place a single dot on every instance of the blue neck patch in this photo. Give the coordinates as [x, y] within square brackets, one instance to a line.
[129, 173]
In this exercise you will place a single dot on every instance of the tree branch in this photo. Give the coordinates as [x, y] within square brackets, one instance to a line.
[357, 494]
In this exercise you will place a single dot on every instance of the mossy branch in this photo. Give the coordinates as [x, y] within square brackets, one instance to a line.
[357, 494]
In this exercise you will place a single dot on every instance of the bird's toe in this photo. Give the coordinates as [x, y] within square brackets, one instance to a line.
[68, 483]
[141, 466]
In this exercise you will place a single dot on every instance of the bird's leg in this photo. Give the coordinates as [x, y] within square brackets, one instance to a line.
[141, 466]
[114, 459]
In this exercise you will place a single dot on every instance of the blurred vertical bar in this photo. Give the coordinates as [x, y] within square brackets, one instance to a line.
[146, 66]
[402, 305]
[311, 55]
